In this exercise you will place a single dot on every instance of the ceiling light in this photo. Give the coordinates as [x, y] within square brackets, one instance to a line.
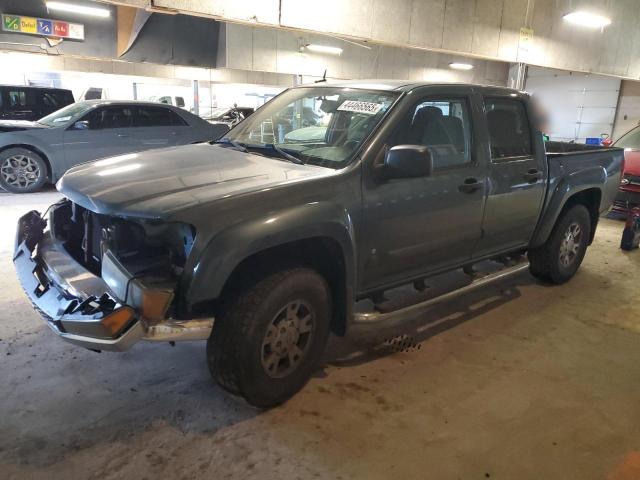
[460, 66]
[586, 19]
[323, 49]
[80, 9]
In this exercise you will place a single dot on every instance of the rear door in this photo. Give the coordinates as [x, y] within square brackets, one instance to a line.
[53, 100]
[108, 131]
[517, 174]
[416, 226]
[157, 127]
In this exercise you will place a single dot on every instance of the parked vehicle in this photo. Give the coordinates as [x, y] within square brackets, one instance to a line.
[31, 103]
[33, 153]
[629, 194]
[280, 242]
[176, 101]
[228, 116]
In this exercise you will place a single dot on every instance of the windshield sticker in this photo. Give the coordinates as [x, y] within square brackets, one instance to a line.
[368, 108]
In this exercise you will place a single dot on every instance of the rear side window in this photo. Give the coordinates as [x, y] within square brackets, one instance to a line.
[509, 129]
[444, 126]
[111, 117]
[19, 98]
[157, 117]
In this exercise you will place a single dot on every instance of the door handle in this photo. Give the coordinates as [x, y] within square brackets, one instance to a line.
[533, 175]
[123, 135]
[470, 185]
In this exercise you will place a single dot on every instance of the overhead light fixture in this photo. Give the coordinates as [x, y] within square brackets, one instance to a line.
[79, 9]
[586, 19]
[323, 49]
[460, 66]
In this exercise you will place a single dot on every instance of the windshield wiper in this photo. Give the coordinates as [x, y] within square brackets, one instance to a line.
[283, 153]
[234, 144]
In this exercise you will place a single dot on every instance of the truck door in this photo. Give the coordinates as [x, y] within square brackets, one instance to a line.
[517, 176]
[414, 226]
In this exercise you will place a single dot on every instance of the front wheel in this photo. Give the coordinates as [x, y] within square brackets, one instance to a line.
[560, 257]
[266, 342]
[21, 170]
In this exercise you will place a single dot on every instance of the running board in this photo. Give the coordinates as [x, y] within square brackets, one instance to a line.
[377, 319]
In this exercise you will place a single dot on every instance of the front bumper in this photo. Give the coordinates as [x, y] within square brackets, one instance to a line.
[83, 308]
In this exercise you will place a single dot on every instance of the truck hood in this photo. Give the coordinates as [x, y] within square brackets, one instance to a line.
[17, 125]
[158, 183]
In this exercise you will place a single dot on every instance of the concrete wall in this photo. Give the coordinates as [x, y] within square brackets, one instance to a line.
[487, 28]
[628, 113]
[275, 50]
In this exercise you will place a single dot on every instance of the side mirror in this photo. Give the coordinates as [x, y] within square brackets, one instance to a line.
[81, 125]
[407, 161]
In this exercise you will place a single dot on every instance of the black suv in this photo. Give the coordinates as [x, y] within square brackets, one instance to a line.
[31, 103]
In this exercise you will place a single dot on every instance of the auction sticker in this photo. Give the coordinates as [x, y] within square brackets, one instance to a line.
[368, 108]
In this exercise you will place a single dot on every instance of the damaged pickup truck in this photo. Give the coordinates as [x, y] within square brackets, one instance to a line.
[265, 241]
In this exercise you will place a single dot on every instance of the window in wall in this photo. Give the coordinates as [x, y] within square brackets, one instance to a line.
[509, 130]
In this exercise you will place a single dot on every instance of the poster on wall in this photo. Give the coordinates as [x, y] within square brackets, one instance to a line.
[42, 26]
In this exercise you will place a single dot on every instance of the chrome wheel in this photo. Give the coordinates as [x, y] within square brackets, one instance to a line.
[20, 171]
[287, 339]
[570, 244]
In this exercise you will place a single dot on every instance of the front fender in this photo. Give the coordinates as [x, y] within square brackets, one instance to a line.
[571, 184]
[227, 249]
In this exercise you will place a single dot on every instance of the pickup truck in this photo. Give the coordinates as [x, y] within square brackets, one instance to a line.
[263, 246]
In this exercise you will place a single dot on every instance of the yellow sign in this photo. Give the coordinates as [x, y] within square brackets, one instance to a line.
[28, 25]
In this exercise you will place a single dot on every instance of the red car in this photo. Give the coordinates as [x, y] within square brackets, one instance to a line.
[629, 193]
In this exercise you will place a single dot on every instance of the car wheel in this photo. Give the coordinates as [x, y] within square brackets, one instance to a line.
[266, 343]
[558, 260]
[22, 170]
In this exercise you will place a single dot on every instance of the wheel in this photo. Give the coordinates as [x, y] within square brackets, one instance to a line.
[22, 171]
[558, 260]
[266, 342]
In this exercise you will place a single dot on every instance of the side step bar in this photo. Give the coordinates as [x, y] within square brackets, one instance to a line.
[377, 319]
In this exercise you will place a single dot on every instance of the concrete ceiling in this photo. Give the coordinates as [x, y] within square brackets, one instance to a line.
[483, 28]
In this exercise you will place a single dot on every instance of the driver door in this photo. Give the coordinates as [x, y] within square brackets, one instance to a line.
[104, 132]
[418, 226]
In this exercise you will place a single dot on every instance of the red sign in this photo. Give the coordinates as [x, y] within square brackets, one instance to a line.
[61, 29]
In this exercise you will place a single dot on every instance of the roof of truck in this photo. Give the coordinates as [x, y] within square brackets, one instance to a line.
[400, 85]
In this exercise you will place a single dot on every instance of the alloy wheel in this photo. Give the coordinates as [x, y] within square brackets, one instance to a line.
[287, 339]
[20, 171]
[570, 244]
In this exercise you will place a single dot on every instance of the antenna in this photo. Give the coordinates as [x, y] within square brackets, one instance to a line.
[324, 77]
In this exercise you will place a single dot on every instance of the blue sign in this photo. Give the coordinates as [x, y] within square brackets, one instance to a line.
[45, 27]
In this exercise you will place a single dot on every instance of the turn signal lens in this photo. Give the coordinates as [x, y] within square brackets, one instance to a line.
[117, 320]
[155, 303]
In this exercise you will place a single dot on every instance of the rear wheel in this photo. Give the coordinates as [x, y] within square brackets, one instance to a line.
[558, 260]
[267, 341]
[22, 170]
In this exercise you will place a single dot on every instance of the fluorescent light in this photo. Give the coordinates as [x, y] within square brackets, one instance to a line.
[323, 49]
[81, 9]
[586, 19]
[460, 66]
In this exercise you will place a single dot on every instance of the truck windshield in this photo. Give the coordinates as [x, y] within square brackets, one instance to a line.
[318, 125]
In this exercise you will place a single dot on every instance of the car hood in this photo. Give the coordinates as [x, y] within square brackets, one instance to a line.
[632, 162]
[17, 125]
[158, 183]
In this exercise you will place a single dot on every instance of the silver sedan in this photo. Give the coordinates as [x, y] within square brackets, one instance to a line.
[34, 153]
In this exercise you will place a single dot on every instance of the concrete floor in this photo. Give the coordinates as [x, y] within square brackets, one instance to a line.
[518, 381]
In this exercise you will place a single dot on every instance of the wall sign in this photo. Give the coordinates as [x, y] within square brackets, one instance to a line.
[42, 26]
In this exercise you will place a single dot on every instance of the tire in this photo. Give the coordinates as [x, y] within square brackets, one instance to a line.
[267, 340]
[22, 170]
[558, 260]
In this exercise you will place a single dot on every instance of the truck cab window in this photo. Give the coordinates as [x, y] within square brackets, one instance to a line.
[509, 130]
[441, 125]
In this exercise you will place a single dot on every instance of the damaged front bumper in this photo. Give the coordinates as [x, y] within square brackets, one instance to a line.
[110, 313]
